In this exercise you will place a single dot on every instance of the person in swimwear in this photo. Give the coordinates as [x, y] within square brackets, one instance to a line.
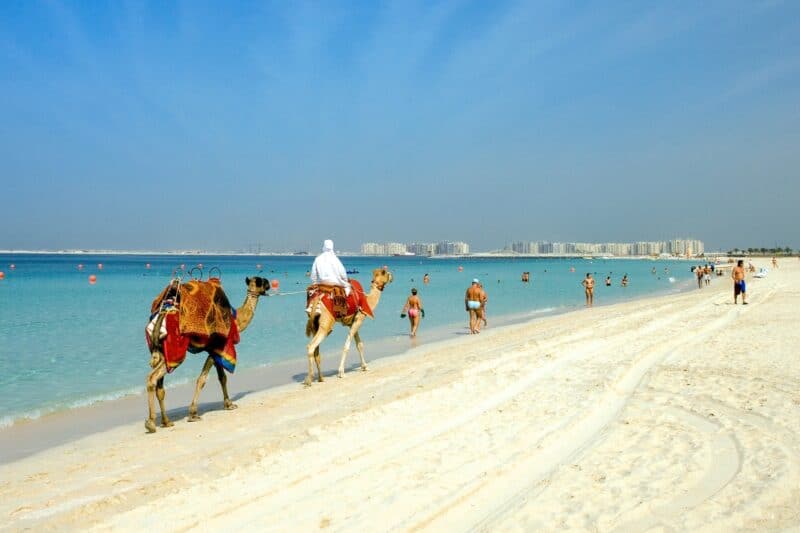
[484, 299]
[588, 284]
[414, 310]
[426, 279]
[472, 304]
[737, 274]
[608, 281]
[624, 281]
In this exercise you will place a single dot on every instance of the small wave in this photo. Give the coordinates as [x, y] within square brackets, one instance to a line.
[542, 311]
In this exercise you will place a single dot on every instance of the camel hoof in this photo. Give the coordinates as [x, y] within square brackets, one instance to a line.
[167, 423]
[340, 375]
[150, 426]
[321, 379]
[230, 406]
[194, 418]
[364, 368]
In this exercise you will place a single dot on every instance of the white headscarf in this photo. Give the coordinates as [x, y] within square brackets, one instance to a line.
[327, 246]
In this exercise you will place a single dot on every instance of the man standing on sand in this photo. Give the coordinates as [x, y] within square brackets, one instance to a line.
[737, 274]
[472, 303]
[588, 284]
[414, 310]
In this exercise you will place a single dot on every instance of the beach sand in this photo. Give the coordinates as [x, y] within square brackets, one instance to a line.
[679, 412]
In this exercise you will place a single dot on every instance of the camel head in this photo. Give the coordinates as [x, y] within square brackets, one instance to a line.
[381, 277]
[257, 286]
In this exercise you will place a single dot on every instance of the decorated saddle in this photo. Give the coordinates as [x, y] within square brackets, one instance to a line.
[339, 305]
[195, 316]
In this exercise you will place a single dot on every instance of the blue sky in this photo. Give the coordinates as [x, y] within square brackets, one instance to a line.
[217, 125]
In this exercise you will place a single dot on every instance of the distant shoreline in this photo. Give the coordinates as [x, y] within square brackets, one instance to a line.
[476, 255]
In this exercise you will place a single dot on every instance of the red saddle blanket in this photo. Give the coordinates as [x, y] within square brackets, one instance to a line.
[202, 320]
[355, 302]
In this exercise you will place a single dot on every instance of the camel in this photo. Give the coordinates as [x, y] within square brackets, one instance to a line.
[320, 326]
[256, 287]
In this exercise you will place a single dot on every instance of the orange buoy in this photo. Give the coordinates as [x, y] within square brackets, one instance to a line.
[2, 275]
[92, 279]
[100, 266]
[275, 284]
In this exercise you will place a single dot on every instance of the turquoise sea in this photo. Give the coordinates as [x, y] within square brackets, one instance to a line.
[66, 343]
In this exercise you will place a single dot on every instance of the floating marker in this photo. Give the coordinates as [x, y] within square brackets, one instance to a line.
[80, 267]
[258, 266]
[147, 265]
[461, 269]
[92, 279]
[12, 266]
[100, 266]
[275, 284]
[2, 275]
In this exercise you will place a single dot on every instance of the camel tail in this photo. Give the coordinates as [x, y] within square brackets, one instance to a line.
[312, 325]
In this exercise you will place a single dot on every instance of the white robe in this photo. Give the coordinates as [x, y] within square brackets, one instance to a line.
[328, 270]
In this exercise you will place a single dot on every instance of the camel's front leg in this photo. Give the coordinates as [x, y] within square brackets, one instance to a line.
[201, 382]
[223, 381]
[165, 421]
[159, 369]
[353, 332]
[360, 347]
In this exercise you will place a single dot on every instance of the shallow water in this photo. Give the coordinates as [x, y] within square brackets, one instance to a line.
[66, 343]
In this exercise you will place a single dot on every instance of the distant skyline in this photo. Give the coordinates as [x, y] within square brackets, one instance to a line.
[218, 126]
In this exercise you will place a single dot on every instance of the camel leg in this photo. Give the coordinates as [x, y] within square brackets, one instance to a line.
[201, 381]
[158, 372]
[318, 361]
[360, 346]
[165, 421]
[354, 327]
[313, 355]
[223, 381]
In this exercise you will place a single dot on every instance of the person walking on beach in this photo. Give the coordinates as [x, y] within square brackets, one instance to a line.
[698, 272]
[707, 274]
[413, 308]
[484, 299]
[739, 287]
[472, 304]
[588, 285]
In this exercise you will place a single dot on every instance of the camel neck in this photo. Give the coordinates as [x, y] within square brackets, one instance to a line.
[245, 313]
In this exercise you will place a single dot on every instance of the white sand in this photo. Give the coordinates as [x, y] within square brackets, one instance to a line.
[673, 413]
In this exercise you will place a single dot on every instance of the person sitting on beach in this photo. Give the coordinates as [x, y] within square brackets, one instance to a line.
[588, 285]
[413, 308]
[739, 287]
[472, 304]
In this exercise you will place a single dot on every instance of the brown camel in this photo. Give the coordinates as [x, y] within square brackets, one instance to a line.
[256, 287]
[321, 324]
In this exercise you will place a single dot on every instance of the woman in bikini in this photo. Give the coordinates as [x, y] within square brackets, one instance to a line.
[414, 310]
